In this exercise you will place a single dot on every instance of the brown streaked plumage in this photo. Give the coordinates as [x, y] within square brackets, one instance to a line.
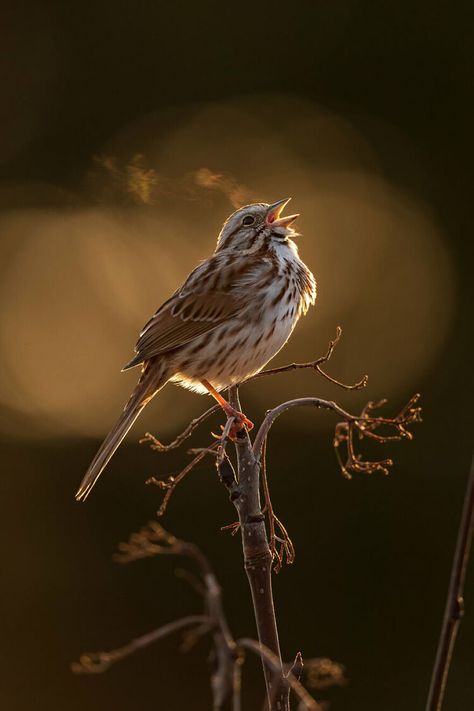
[233, 313]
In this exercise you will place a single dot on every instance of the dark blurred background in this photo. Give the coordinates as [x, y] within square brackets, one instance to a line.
[129, 131]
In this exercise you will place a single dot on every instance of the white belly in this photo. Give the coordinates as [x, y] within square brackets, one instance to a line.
[241, 347]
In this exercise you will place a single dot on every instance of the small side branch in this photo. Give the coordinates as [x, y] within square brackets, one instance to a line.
[280, 543]
[365, 424]
[273, 414]
[455, 602]
[170, 484]
[315, 365]
[187, 432]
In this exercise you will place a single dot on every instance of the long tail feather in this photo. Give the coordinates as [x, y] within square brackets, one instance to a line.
[153, 378]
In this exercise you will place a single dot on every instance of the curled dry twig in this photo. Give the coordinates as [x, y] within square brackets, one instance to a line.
[365, 426]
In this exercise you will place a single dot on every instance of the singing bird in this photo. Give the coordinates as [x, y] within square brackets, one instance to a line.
[233, 313]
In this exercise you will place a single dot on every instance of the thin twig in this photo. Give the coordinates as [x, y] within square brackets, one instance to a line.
[455, 602]
[170, 484]
[279, 546]
[314, 365]
[273, 414]
[98, 662]
[297, 667]
[187, 432]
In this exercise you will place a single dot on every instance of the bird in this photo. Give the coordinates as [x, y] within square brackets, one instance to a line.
[232, 314]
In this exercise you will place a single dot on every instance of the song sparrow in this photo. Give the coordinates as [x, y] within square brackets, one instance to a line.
[233, 313]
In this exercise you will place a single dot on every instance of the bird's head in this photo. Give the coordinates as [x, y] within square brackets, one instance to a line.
[256, 226]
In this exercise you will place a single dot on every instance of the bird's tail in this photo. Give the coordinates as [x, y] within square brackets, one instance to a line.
[153, 378]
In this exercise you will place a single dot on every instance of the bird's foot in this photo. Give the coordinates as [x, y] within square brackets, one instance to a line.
[240, 421]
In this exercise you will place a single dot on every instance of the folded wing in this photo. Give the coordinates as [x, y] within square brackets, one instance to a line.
[202, 304]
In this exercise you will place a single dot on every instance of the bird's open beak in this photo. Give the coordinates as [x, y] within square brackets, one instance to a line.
[273, 215]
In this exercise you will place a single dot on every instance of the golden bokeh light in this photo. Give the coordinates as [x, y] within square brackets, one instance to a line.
[80, 282]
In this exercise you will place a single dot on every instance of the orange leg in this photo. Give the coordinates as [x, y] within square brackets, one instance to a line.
[239, 417]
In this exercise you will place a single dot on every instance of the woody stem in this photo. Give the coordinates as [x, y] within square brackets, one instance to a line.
[245, 495]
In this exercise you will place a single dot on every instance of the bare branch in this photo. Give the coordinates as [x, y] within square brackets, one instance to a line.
[455, 602]
[273, 414]
[364, 424]
[98, 662]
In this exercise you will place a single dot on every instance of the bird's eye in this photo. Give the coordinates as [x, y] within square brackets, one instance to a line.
[248, 220]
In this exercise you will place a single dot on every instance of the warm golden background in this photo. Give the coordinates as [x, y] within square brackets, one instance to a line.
[128, 134]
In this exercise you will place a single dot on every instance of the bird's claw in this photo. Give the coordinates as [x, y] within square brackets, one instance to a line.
[240, 421]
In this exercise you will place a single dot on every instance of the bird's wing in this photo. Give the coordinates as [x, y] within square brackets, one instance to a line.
[198, 307]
